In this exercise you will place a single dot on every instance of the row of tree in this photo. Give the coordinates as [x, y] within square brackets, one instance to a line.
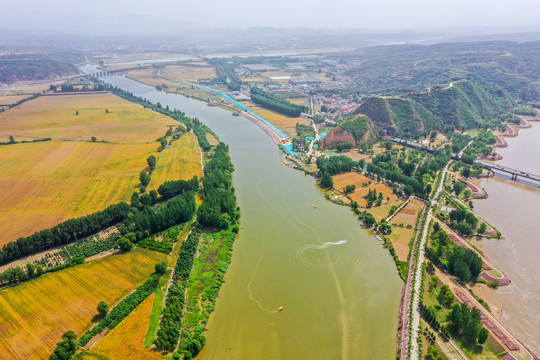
[67, 231]
[200, 131]
[171, 320]
[219, 207]
[277, 103]
[123, 308]
[227, 74]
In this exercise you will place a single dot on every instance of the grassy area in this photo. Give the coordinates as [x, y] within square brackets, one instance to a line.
[215, 252]
[181, 161]
[67, 299]
[189, 73]
[45, 183]
[55, 117]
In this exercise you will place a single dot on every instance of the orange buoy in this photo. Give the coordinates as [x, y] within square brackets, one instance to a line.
[280, 308]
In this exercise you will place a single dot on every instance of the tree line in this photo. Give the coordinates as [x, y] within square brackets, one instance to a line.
[226, 73]
[219, 207]
[65, 232]
[171, 320]
[276, 103]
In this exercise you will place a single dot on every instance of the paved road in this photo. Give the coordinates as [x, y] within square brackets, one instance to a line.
[418, 274]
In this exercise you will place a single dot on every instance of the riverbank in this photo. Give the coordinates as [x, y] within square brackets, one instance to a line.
[510, 205]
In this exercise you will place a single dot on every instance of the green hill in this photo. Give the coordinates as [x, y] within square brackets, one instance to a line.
[354, 130]
[464, 104]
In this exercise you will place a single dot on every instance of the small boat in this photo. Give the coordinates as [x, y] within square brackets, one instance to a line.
[286, 163]
[280, 308]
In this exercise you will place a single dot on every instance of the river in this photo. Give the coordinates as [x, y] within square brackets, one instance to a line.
[515, 209]
[339, 288]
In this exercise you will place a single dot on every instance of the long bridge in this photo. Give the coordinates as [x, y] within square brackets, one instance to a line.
[514, 173]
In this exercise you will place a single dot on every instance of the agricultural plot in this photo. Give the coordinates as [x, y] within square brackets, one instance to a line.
[350, 178]
[148, 77]
[181, 161]
[11, 99]
[56, 117]
[65, 300]
[403, 227]
[357, 156]
[359, 194]
[189, 73]
[45, 183]
[125, 341]
[284, 123]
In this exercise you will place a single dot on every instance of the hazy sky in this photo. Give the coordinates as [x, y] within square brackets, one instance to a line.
[372, 14]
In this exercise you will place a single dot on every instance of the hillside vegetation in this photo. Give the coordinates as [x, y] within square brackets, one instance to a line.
[351, 131]
[461, 105]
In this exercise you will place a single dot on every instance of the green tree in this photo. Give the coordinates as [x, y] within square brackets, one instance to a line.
[66, 348]
[349, 189]
[482, 228]
[458, 187]
[11, 139]
[369, 219]
[326, 181]
[76, 112]
[103, 308]
[144, 178]
[161, 267]
[93, 139]
[151, 162]
[124, 244]
[483, 335]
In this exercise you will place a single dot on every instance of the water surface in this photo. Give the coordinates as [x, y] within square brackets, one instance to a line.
[339, 288]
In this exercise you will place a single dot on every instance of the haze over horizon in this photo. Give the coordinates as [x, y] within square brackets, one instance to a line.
[136, 17]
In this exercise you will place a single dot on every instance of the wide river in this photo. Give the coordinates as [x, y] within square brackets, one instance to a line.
[339, 288]
[515, 210]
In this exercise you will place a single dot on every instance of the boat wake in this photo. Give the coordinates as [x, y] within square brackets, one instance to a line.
[328, 244]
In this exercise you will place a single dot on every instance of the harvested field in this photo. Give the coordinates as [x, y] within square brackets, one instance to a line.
[148, 76]
[55, 117]
[284, 123]
[402, 251]
[125, 341]
[359, 194]
[350, 178]
[25, 89]
[45, 183]
[407, 215]
[65, 300]
[11, 99]
[356, 156]
[181, 161]
[189, 73]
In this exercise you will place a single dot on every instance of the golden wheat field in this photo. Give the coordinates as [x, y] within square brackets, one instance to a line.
[189, 73]
[55, 117]
[36, 313]
[181, 161]
[358, 195]
[11, 99]
[125, 341]
[44, 183]
[350, 178]
[284, 123]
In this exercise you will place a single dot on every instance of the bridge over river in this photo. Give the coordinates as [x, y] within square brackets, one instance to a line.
[514, 173]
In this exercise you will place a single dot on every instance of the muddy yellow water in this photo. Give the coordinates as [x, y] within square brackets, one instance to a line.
[515, 209]
[338, 287]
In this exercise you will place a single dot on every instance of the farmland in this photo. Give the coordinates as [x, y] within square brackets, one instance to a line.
[125, 341]
[181, 161]
[47, 182]
[403, 227]
[285, 123]
[67, 300]
[189, 73]
[359, 194]
[56, 117]
[350, 178]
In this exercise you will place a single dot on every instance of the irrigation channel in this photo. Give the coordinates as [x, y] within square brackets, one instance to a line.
[338, 286]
